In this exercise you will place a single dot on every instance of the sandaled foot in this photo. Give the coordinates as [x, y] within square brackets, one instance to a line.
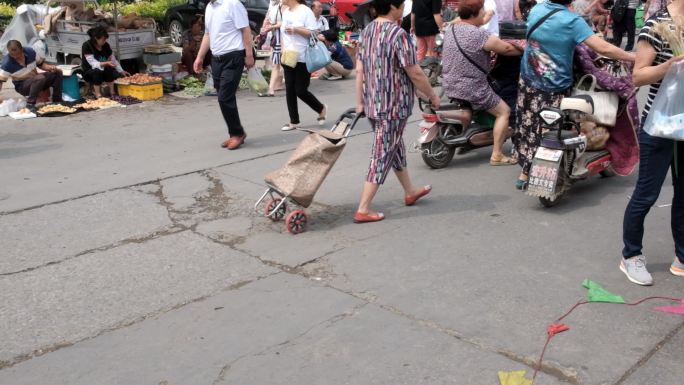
[502, 161]
[521, 184]
[323, 115]
[265, 95]
[368, 217]
[410, 200]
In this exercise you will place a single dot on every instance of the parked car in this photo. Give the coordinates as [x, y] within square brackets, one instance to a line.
[177, 19]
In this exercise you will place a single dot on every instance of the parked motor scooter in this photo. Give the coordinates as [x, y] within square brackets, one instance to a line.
[453, 126]
[562, 159]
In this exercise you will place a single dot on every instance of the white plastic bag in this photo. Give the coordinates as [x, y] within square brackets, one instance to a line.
[256, 81]
[666, 117]
[209, 88]
[605, 102]
[9, 105]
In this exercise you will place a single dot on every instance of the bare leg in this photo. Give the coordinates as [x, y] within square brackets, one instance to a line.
[276, 79]
[367, 195]
[405, 180]
[501, 112]
[97, 90]
[110, 87]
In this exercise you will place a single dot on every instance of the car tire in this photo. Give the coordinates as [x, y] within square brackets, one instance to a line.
[176, 32]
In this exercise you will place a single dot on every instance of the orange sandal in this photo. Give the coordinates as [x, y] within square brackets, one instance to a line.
[365, 218]
[410, 200]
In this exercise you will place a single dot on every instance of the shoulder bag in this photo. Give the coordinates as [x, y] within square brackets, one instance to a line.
[605, 102]
[317, 55]
[492, 82]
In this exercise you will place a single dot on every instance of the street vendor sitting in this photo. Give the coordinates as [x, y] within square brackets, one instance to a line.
[21, 65]
[342, 64]
[98, 61]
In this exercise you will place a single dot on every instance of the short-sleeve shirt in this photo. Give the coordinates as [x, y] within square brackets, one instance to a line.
[301, 16]
[322, 24]
[460, 77]
[101, 55]
[661, 47]
[224, 20]
[547, 61]
[425, 11]
[385, 50]
[10, 68]
[340, 55]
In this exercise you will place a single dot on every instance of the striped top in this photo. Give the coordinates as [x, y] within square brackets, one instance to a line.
[385, 50]
[662, 48]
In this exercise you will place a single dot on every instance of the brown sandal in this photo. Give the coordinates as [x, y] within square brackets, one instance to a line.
[503, 161]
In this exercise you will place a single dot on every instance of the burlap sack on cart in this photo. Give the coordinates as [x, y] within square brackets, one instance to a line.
[308, 166]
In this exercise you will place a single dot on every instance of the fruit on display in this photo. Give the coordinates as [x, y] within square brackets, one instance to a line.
[97, 103]
[51, 108]
[139, 79]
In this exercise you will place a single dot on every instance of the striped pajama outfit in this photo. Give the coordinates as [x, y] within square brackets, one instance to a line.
[388, 149]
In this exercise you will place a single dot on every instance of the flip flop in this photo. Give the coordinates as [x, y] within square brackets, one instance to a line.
[410, 200]
[504, 161]
[366, 218]
[521, 184]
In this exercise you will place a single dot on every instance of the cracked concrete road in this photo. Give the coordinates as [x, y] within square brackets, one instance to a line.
[132, 255]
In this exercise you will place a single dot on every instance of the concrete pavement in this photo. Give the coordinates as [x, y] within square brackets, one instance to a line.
[133, 256]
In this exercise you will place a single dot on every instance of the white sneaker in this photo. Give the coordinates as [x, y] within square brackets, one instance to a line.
[635, 270]
[289, 127]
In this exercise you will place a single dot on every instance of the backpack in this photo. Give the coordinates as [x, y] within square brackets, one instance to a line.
[619, 10]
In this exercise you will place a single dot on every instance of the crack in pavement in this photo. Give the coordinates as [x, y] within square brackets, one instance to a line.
[124, 324]
[170, 230]
[290, 342]
[668, 337]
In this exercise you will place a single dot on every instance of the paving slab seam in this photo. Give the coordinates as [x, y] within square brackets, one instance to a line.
[668, 337]
[170, 230]
[291, 341]
[144, 183]
[121, 325]
[565, 374]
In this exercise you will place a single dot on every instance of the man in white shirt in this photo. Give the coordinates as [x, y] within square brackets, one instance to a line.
[228, 35]
[321, 22]
[491, 17]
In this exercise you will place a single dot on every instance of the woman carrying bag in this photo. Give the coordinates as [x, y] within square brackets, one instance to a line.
[297, 26]
[271, 27]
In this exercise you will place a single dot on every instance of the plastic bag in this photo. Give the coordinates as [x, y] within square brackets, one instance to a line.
[256, 81]
[9, 105]
[209, 88]
[317, 55]
[289, 57]
[666, 118]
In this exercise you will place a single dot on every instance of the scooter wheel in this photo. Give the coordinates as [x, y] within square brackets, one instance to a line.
[437, 154]
[550, 202]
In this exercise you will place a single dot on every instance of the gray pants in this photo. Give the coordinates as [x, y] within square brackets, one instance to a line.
[32, 87]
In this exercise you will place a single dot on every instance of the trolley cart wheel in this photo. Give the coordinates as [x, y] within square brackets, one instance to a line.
[296, 222]
[279, 212]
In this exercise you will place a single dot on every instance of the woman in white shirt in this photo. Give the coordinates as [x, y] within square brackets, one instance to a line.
[272, 23]
[297, 25]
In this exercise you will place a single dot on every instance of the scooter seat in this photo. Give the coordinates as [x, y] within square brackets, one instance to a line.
[565, 134]
[457, 104]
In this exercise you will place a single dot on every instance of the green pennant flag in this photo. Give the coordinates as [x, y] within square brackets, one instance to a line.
[597, 293]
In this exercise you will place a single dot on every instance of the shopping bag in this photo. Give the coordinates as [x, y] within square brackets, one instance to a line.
[317, 54]
[256, 81]
[605, 102]
[289, 57]
[666, 117]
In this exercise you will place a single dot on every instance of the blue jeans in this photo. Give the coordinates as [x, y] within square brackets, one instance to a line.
[657, 156]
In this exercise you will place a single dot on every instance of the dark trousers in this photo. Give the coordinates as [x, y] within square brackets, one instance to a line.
[226, 70]
[297, 82]
[627, 24]
[657, 156]
[97, 77]
[35, 85]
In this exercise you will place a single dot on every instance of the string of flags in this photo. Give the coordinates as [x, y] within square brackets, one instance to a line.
[595, 293]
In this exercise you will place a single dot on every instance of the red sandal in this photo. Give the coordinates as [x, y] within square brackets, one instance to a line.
[365, 218]
[410, 200]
